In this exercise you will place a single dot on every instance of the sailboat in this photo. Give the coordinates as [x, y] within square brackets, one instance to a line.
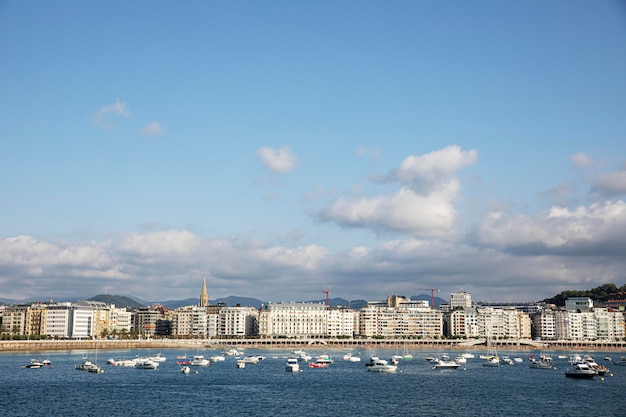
[94, 368]
[492, 355]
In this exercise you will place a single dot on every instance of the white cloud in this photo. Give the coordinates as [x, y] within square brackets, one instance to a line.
[152, 129]
[581, 160]
[594, 230]
[429, 172]
[422, 207]
[170, 265]
[404, 211]
[103, 114]
[280, 160]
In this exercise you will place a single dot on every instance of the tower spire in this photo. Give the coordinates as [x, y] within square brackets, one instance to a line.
[204, 298]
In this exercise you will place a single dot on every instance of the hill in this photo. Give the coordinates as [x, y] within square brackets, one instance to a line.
[119, 301]
[597, 294]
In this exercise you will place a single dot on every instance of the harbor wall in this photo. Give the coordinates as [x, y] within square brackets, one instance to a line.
[58, 345]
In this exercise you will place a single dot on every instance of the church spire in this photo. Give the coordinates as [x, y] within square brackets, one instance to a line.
[204, 298]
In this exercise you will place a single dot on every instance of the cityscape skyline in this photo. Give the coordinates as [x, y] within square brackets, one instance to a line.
[282, 148]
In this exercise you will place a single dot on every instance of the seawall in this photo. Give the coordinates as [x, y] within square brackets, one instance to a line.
[54, 345]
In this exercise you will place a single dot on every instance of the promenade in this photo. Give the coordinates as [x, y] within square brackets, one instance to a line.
[59, 345]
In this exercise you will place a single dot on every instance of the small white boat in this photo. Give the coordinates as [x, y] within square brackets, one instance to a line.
[34, 364]
[85, 365]
[241, 364]
[157, 358]
[125, 362]
[217, 358]
[233, 352]
[302, 355]
[445, 364]
[460, 359]
[324, 359]
[518, 359]
[493, 361]
[292, 365]
[199, 360]
[468, 355]
[380, 365]
[146, 363]
[185, 369]
[507, 360]
[542, 363]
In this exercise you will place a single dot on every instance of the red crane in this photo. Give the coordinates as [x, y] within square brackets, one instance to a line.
[432, 294]
[326, 291]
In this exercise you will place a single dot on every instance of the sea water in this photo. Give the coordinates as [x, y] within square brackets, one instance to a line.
[266, 389]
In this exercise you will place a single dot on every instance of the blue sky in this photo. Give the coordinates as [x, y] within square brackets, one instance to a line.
[279, 148]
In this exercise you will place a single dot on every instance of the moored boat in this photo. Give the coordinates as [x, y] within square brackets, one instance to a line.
[34, 364]
[580, 371]
[292, 365]
[146, 363]
[199, 360]
[380, 365]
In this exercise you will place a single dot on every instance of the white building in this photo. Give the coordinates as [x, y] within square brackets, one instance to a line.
[342, 322]
[293, 320]
[58, 320]
[400, 317]
[238, 321]
[460, 299]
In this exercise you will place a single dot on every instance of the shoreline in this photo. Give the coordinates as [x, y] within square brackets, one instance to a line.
[105, 344]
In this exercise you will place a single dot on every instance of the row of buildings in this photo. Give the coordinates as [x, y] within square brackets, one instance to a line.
[396, 317]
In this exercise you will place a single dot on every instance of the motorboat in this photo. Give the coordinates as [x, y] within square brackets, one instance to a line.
[460, 359]
[185, 369]
[445, 364]
[253, 359]
[380, 365]
[34, 364]
[292, 365]
[507, 360]
[517, 359]
[302, 355]
[217, 358]
[324, 359]
[199, 360]
[95, 369]
[541, 363]
[314, 365]
[157, 358]
[580, 371]
[430, 358]
[85, 365]
[241, 363]
[493, 361]
[233, 352]
[351, 357]
[468, 355]
[601, 370]
[146, 363]
[129, 363]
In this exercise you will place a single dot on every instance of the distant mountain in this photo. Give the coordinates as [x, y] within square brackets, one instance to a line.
[119, 301]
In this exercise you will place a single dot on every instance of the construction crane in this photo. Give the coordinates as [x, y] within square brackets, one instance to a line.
[327, 292]
[432, 294]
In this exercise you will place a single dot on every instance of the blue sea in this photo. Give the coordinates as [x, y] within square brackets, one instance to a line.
[266, 389]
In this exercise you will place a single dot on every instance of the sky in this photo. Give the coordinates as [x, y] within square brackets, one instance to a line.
[279, 149]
